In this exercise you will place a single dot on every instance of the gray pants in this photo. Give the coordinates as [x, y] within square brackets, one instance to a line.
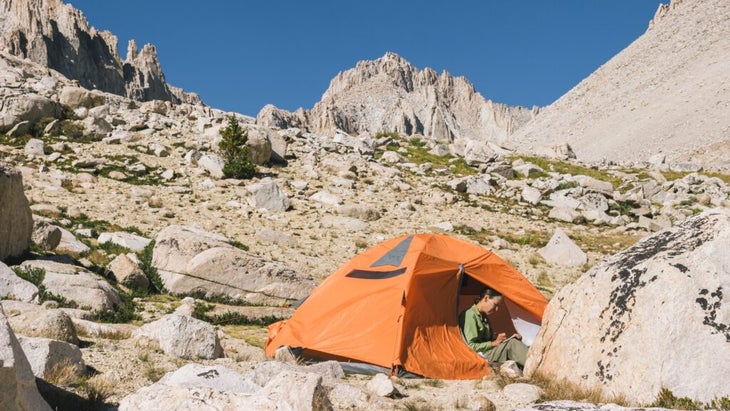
[513, 349]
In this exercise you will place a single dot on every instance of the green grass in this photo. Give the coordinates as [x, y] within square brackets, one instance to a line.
[14, 141]
[416, 152]
[113, 248]
[572, 169]
[533, 238]
[238, 245]
[99, 226]
[150, 178]
[391, 134]
[230, 317]
[566, 185]
[667, 399]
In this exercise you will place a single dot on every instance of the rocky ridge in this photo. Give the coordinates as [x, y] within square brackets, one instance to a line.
[58, 36]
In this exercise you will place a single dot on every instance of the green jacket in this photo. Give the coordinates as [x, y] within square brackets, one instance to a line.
[476, 330]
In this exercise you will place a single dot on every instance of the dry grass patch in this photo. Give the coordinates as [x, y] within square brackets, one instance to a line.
[105, 332]
[434, 383]
[153, 373]
[545, 284]
[602, 243]
[65, 373]
[555, 389]
[252, 334]
[535, 259]
[96, 390]
[419, 404]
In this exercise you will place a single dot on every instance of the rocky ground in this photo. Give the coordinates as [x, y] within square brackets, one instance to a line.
[369, 198]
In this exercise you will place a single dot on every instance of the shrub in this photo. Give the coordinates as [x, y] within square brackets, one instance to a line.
[149, 270]
[72, 129]
[234, 151]
[125, 312]
[667, 399]
[391, 134]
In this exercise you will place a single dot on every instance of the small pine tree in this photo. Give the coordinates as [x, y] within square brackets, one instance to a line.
[234, 151]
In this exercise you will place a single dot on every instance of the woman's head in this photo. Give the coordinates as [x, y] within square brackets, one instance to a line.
[489, 292]
[489, 300]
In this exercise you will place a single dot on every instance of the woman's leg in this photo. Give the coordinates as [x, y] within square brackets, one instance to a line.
[513, 349]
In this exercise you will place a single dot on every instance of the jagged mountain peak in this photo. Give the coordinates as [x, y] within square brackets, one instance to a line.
[395, 70]
[390, 94]
[58, 36]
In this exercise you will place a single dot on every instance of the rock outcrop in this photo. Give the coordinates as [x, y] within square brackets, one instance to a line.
[57, 36]
[646, 318]
[666, 93]
[76, 284]
[19, 391]
[192, 260]
[183, 336]
[16, 220]
[14, 287]
[389, 94]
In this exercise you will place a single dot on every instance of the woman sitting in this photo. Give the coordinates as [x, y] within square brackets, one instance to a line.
[479, 336]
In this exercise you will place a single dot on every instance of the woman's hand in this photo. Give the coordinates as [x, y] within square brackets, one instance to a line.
[500, 338]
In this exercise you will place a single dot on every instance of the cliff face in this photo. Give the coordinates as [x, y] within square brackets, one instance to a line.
[389, 94]
[667, 93]
[58, 36]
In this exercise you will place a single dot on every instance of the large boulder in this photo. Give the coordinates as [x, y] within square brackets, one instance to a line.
[77, 284]
[45, 355]
[183, 336]
[563, 251]
[192, 398]
[131, 241]
[266, 194]
[309, 395]
[259, 144]
[191, 260]
[651, 317]
[80, 97]
[69, 244]
[46, 235]
[217, 377]
[14, 287]
[16, 220]
[53, 324]
[126, 270]
[28, 107]
[195, 387]
[19, 391]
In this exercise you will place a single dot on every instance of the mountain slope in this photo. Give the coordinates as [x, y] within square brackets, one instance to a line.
[668, 92]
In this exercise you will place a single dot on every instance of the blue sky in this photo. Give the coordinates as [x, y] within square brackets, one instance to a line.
[241, 55]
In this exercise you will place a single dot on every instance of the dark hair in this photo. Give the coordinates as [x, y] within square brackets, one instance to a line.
[491, 292]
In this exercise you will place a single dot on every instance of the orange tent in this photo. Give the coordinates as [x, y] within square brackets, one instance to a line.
[396, 306]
